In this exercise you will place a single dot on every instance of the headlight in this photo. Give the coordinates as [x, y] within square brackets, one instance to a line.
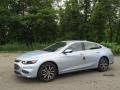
[29, 62]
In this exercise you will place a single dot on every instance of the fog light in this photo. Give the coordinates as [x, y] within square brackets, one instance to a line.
[24, 71]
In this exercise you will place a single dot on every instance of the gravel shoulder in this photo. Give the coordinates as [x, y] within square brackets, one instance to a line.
[84, 80]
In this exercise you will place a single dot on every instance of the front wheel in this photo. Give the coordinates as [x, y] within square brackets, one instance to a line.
[103, 64]
[47, 72]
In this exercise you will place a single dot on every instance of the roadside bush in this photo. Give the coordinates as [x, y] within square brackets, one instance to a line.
[37, 46]
[114, 46]
[22, 47]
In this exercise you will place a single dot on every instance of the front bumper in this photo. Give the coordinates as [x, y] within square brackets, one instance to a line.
[29, 71]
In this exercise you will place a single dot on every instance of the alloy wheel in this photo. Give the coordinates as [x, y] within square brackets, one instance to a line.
[47, 72]
[103, 64]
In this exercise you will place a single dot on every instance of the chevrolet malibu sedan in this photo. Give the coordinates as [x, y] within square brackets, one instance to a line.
[63, 57]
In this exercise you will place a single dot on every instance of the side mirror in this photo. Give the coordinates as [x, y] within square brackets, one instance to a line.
[68, 51]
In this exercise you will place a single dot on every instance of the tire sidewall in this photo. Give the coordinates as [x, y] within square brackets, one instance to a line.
[41, 67]
[99, 68]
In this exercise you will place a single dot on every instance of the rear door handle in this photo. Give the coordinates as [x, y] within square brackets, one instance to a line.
[83, 58]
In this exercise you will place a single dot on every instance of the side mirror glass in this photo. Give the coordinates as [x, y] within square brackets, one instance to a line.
[68, 51]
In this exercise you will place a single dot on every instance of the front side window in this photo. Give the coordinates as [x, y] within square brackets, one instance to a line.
[89, 46]
[76, 47]
[55, 47]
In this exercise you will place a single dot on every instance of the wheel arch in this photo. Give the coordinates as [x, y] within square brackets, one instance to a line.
[106, 58]
[50, 62]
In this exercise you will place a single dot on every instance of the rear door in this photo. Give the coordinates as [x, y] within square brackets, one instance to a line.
[92, 54]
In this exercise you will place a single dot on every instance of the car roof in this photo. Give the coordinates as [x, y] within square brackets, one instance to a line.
[79, 41]
[74, 41]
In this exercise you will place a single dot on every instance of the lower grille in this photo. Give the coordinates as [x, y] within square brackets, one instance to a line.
[17, 72]
[24, 71]
[16, 67]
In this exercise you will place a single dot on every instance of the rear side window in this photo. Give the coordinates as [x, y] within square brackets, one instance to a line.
[76, 47]
[89, 45]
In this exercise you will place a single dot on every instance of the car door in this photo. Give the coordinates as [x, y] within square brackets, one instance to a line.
[74, 60]
[91, 54]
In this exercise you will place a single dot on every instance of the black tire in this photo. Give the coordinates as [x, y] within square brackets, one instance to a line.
[47, 72]
[103, 64]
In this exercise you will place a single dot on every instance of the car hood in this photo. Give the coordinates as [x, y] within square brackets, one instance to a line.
[32, 55]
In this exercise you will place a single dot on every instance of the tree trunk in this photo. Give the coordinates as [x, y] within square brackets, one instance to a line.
[111, 31]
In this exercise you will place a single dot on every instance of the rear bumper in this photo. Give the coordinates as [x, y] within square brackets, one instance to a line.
[112, 62]
[111, 58]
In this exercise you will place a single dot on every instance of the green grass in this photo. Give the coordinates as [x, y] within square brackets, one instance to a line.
[16, 47]
[21, 47]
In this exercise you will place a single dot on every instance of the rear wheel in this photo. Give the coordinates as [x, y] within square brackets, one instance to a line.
[103, 64]
[47, 72]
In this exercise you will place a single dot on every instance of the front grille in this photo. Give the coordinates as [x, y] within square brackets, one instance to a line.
[17, 61]
[16, 67]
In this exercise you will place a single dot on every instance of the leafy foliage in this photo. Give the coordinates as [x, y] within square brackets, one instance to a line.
[114, 46]
[46, 21]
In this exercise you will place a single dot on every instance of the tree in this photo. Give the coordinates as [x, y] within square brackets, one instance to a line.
[71, 19]
[28, 21]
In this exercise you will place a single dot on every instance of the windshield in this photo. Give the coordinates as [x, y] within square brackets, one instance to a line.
[55, 47]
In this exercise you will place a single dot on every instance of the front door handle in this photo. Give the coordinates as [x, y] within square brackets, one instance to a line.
[81, 54]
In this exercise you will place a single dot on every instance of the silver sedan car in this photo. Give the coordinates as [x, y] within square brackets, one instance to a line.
[63, 57]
